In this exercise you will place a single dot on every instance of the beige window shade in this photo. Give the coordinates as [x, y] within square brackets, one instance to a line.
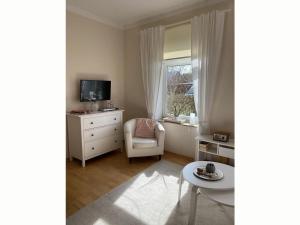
[178, 41]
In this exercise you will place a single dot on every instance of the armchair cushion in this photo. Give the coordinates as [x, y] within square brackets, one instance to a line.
[144, 142]
[145, 128]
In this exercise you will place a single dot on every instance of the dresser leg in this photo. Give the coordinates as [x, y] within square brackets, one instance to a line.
[83, 163]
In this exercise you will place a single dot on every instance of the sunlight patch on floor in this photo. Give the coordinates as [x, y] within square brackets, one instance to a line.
[151, 199]
[101, 222]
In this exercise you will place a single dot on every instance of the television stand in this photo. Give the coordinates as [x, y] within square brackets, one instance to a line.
[91, 135]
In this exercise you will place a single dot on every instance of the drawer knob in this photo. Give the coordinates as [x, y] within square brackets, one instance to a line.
[115, 129]
[92, 135]
[116, 141]
[92, 123]
[115, 118]
[93, 148]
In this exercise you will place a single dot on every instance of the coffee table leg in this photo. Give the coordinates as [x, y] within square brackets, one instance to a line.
[193, 205]
[180, 184]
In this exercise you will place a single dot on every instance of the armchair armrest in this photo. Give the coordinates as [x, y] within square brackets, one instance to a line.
[160, 134]
[128, 141]
[129, 127]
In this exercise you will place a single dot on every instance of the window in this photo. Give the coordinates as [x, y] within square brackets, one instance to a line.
[178, 94]
[178, 87]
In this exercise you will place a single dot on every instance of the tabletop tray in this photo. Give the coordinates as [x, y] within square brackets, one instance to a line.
[218, 175]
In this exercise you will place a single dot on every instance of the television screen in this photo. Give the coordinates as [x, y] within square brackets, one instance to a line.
[94, 90]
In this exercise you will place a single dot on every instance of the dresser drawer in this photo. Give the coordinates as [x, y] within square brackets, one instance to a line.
[101, 121]
[226, 152]
[104, 145]
[101, 132]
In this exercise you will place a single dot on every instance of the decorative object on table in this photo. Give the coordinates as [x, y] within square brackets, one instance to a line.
[109, 104]
[221, 136]
[192, 118]
[210, 168]
[203, 146]
[94, 106]
[181, 118]
[201, 172]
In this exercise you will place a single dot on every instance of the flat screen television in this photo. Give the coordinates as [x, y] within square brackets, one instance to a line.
[94, 90]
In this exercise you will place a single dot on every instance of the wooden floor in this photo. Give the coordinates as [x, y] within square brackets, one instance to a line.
[103, 173]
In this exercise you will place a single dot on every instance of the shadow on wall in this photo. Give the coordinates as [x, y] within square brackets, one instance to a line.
[139, 112]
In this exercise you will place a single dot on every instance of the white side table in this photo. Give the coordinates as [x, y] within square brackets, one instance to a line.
[208, 188]
[217, 148]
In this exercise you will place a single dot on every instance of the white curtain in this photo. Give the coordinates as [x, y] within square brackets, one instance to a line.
[151, 44]
[207, 36]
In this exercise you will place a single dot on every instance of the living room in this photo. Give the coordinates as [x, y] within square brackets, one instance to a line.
[147, 122]
[108, 51]
[112, 54]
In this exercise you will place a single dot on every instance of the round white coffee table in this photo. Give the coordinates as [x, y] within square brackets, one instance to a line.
[221, 191]
[225, 197]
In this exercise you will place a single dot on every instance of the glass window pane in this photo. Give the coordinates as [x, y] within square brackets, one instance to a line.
[180, 94]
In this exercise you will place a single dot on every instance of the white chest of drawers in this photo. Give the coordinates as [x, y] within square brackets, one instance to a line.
[90, 135]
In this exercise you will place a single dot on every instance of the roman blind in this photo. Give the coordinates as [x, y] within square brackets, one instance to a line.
[178, 41]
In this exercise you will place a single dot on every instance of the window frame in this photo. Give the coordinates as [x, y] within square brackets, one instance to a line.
[166, 63]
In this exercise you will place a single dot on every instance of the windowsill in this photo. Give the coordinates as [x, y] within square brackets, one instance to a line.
[180, 124]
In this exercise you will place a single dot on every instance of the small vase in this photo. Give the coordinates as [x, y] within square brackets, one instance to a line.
[210, 168]
[94, 107]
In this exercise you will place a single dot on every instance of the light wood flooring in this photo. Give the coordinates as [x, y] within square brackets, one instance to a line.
[103, 173]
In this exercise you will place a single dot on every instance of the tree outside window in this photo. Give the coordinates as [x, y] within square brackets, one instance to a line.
[179, 88]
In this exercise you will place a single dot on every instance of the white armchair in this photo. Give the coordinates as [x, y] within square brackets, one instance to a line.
[139, 147]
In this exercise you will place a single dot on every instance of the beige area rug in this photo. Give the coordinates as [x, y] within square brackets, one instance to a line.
[150, 198]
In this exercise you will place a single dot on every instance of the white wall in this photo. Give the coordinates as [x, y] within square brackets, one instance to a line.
[180, 139]
[93, 51]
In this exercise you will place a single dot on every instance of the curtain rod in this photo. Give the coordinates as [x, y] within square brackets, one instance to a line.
[178, 23]
[189, 20]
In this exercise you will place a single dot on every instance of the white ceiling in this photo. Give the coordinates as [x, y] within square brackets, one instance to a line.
[125, 13]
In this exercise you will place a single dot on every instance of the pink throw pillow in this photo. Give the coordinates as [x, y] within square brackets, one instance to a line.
[145, 128]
